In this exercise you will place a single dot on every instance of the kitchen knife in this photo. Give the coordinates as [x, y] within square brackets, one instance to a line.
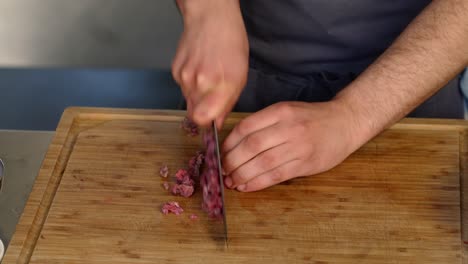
[221, 182]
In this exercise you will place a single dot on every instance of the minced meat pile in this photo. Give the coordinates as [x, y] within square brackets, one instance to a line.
[185, 178]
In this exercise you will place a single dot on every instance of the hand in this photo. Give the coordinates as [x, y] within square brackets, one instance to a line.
[211, 62]
[288, 140]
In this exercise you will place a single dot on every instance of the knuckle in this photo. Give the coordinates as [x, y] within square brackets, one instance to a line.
[227, 165]
[267, 161]
[277, 175]
[200, 79]
[186, 74]
[239, 177]
[285, 108]
[243, 127]
[253, 143]
[175, 74]
[301, 128]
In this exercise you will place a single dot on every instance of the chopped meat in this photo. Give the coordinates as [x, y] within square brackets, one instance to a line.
[182, 190]
[190, 127]
[164, 171]
[185, 184]
[193, 217]
[195, 164]
[183, 177]
[166, 185]
[172, 207]
[209, 180]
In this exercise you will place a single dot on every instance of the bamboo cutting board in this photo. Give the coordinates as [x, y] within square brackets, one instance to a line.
[98, 195]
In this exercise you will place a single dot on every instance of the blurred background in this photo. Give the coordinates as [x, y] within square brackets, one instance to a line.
[59, 53]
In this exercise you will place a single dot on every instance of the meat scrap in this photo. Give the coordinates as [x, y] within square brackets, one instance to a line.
[183, 177]
[182, 190]
[166, 185]
[193, 217]
[172, 207]
[189, 126]
[209, 179]
[164, 171]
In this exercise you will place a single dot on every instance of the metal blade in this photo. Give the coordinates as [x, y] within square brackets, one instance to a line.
[2, 176]
[221, 182]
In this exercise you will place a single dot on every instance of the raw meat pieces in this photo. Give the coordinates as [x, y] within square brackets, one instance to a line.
[185, 183]
[182, 190]
[164, 171]
[190, 127]
[209, 180]
[172, 207]
[183, 177]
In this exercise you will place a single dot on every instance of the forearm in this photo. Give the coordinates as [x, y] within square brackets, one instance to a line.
[428, 54]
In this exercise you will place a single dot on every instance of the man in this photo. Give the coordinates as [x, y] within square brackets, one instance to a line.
[308, 53]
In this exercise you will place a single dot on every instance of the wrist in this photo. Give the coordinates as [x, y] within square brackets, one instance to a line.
[193, 9]
[359, 125]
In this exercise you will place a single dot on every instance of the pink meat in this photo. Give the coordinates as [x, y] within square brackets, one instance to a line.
[195, 164]
[190, 127]
[193, 217]
[166, 185]
[209, 180]
[182, 190]
[183, 177]
[164, 171]
[172, 207]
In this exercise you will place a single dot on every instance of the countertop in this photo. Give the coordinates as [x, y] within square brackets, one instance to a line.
[22, 152]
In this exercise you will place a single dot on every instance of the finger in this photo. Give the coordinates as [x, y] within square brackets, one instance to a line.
[262, 163]
[277, 175]
[213, 104]
[202, 86]
[220, 120]
[187, 77]
[254, 122]
[189, 108]
[205, 81]
[177, 63]
[251, 146]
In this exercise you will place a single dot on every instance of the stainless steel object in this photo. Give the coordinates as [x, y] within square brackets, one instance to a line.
[2, 175]
[2, 250]
[22, 153]
[221, 182]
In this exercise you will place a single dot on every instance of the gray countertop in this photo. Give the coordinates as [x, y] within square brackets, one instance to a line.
[22, 152]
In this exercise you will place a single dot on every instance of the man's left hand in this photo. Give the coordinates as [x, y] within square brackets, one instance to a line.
[288, 140]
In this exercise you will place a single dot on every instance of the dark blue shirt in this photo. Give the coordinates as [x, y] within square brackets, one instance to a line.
[303, 36]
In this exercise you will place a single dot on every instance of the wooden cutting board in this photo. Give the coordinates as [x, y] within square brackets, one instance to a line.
[98, 195]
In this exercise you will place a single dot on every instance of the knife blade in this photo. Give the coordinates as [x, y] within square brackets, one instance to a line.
[221, 182]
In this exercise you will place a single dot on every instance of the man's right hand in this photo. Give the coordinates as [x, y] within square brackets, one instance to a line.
[211, 62]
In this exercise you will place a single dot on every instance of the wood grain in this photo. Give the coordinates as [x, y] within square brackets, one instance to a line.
[98, 195]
